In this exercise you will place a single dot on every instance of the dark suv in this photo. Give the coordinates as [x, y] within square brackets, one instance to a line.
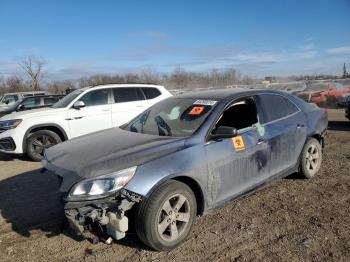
[32, 103]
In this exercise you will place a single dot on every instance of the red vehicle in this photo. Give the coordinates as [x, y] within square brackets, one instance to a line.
[324, 94]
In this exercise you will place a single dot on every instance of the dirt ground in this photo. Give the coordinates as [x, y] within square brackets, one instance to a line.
[289, 220]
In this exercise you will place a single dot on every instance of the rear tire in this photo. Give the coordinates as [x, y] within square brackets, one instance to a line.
[40, 140]
[164, 220]
[311, 158]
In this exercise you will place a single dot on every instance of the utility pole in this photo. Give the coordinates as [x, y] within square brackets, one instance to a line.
[345, 73]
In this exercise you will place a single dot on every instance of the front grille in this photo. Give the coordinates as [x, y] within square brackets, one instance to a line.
[7, 144]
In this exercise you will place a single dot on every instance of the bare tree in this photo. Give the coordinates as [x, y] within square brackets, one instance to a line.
[33, 67]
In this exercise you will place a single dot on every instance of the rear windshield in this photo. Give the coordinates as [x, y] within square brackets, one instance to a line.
[178, 117]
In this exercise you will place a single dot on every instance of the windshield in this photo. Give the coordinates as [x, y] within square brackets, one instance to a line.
[9, 100]
[178, 117]
[65, 101]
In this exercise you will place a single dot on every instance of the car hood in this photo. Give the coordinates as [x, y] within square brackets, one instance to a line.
[32, 113]
[105, 152]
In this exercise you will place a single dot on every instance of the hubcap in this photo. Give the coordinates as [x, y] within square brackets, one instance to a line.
[40, 143]
[173, 217]
[312, 159]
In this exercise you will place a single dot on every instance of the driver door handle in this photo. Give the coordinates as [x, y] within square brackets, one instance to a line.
[300, 125]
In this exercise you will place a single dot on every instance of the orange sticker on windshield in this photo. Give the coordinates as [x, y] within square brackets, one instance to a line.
[196, 110]
[238, 143]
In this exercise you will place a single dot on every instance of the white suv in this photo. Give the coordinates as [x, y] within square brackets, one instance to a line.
[81, 112]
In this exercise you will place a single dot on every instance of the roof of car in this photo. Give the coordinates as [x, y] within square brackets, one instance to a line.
[25, 93]
[29, 97]
[218, 94]
[122, 85]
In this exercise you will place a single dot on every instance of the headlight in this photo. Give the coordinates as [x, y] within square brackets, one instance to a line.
[10, 124]
[101, 186]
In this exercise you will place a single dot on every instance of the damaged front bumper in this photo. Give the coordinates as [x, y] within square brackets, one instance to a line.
[108, 214]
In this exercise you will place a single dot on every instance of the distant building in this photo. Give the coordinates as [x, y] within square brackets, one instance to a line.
[268, 80]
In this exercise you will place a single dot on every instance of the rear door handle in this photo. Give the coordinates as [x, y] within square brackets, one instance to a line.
[260, 141]
[105, 110]
[300, 125]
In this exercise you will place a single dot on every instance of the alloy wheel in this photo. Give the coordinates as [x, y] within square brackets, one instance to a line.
[312, 159]
[40, 143]
[174, 217]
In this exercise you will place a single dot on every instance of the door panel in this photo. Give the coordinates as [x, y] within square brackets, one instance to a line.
[129, 102]
[286, 140]
[237, 171]
[89, 119]
[285, 129]
[95, 116]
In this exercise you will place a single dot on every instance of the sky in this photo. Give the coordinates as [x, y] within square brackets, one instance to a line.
[258, 38]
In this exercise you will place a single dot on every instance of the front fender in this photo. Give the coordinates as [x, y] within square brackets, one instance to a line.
[187, 163]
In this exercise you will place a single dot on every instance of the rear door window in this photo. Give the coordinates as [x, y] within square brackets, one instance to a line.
[151, 92]
[127, 94]
[50, 100]
[275, 107]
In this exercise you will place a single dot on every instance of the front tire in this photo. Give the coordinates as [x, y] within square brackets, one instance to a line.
[40, 140]
[164, 220]
[311, 158]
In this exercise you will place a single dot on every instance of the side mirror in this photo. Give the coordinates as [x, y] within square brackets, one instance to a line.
[224, 132]
[7, 102]
[20, 107]
[79, 104]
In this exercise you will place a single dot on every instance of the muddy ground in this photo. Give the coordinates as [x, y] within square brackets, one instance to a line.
[289, 220]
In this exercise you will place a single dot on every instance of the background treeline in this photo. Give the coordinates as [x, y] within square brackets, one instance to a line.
[178, 79]
[33, 78]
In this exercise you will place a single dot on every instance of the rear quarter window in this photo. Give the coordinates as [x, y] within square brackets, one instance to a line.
[275, 107]
[151, 92]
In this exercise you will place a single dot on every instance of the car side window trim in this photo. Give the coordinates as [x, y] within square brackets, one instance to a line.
[239, 131]
[281, 118]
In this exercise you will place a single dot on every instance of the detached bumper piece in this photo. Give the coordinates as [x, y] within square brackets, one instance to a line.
[110, 218]
[7, 144]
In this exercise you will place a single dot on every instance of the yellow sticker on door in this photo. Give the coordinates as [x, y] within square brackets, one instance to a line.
[238, 143]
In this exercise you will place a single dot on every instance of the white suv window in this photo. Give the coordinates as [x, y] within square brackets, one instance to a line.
[151, 92]
[31, 102]
[127, 94]
[96, 98]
